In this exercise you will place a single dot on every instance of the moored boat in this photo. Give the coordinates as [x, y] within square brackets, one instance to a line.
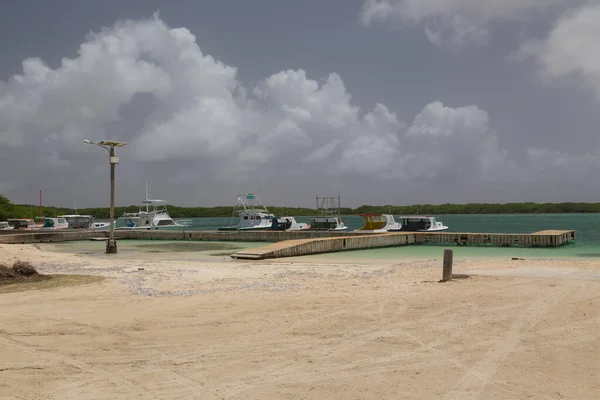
[251, 213]
[288, 224]
[379, 223]
[420, 223]
[152, 214]
[53, 224]
[4, 226]
[22, 223]
[329, 218]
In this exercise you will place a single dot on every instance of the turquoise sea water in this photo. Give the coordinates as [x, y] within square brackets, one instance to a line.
[586, 246]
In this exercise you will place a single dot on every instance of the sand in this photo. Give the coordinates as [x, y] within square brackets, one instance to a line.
[292, 329]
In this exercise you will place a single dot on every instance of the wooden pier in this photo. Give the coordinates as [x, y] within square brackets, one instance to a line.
[301, 247]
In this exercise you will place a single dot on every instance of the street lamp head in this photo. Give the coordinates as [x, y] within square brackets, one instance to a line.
[112, 143]
[87, 141]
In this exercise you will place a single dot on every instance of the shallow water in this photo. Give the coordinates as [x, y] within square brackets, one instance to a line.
[153, 249]
[587, 245]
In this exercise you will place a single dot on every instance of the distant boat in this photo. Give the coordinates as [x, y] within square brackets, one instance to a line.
[4, 226]
[251, 213]
[53, 224]
[152, 215]
[22, 223]
[78, 221]
[420, 223]
[329, 218]
[288, 224]
[379, 223]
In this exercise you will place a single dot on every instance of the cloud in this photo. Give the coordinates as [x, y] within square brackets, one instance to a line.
[188, 114]
[569, 54]
[455, 23]
[556, 164]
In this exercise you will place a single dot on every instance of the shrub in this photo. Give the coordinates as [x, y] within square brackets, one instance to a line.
[23, 268]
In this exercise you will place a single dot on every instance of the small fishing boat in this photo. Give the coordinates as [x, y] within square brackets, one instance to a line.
[329, 218]
[251, 214]
[152, 214]
[97, 225]
[22, 223]
[78, 221]
[54, 223]
[288, 224]
[4, 226]
[379, 223]
[420, 223]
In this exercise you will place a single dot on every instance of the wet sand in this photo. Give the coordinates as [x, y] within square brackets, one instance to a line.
[185, 325]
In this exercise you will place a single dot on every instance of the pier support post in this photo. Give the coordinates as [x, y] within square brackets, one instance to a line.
[447, 272]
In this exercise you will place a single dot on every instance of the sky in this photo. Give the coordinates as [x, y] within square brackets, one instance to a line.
[378, 101]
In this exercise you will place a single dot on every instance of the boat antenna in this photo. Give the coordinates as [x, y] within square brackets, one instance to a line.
[41, 211]
[283, 204]
[75, 204]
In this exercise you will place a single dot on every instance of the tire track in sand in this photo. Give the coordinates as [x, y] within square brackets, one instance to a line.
[477, 378]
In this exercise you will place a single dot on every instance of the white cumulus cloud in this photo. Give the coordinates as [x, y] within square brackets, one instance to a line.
[151, 85]
[455, 22]
[569, 51]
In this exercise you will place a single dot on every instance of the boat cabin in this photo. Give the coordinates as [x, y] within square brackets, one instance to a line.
[55, 223]
[324, 223]
[420, 223]
[373, 222]
[77, 221]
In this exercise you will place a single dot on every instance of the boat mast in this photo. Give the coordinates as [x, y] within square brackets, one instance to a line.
[41, 212]
[147, 196]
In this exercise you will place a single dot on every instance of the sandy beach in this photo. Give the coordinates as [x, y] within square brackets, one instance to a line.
[215, 328]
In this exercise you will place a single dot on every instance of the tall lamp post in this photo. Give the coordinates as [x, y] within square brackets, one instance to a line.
[109, 145]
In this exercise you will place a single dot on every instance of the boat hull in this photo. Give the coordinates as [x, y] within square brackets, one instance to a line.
[233, 228]
[151, 228]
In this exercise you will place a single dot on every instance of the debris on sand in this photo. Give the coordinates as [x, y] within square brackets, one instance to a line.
[20, 271]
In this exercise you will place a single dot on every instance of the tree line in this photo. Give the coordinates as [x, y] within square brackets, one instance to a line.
[9, 210]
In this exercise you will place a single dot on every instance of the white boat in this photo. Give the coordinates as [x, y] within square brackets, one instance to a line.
[22, 223]
[152, 214]
[420, 223]
[329, 218]
[251, 213]
[100, 225]
[379, 223]
[288, 224]
[4, 226]
[54, 223]
[78, 221]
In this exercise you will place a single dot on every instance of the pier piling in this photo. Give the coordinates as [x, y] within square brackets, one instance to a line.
[447, 267]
